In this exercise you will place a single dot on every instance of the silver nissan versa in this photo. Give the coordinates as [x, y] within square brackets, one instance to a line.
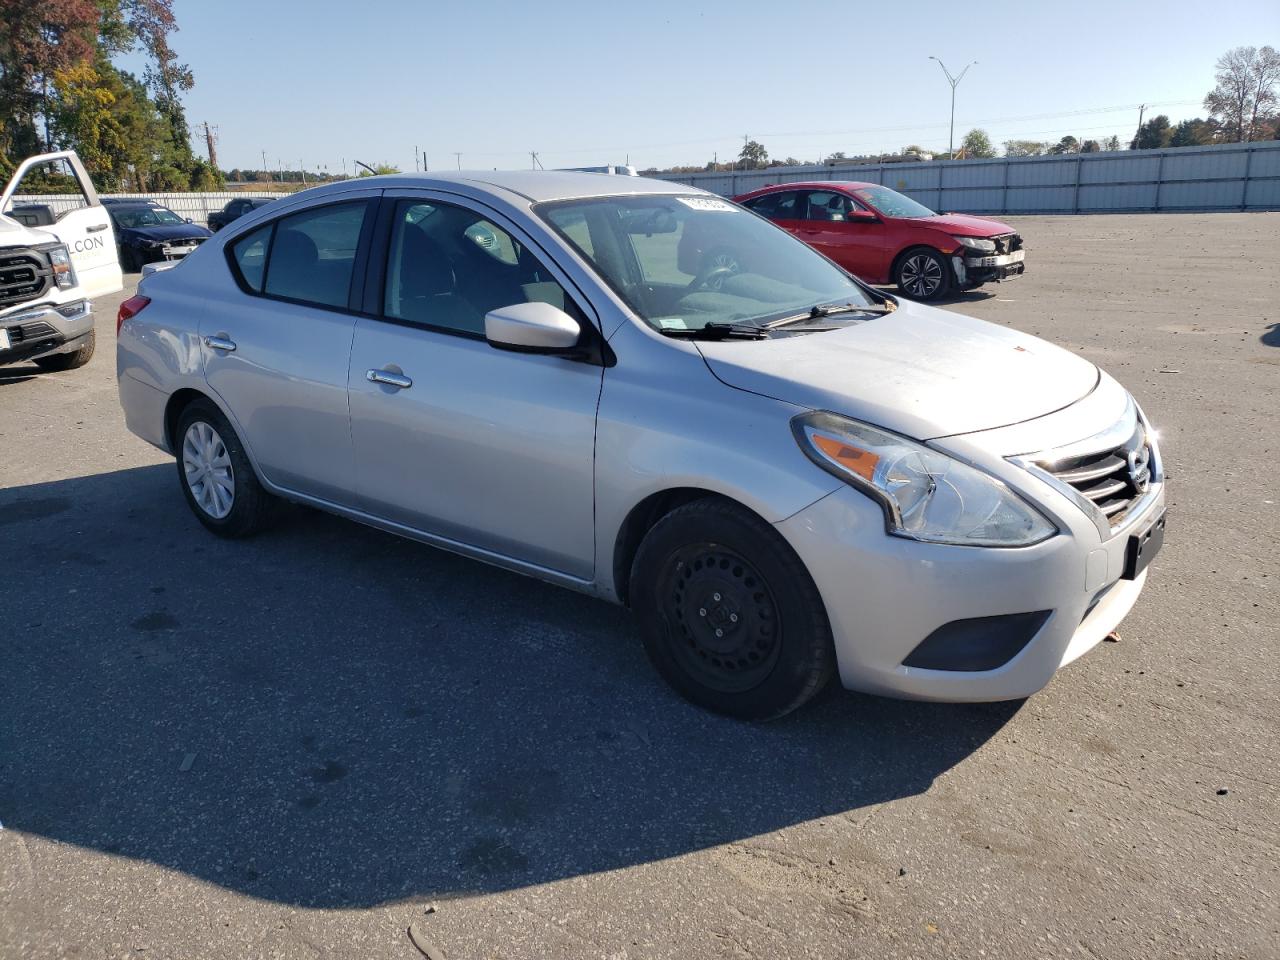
[647, 393]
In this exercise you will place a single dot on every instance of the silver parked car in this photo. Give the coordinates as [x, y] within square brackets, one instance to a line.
[652, 395]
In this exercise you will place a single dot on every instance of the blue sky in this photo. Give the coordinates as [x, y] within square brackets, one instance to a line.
[665, 82]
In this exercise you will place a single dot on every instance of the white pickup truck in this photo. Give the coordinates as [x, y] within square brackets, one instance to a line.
[50, 268]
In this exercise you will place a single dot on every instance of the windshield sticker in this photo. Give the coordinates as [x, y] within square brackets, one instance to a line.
[672, 323]
[706, 203]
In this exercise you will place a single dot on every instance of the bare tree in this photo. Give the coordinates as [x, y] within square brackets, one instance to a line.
[1244, 101]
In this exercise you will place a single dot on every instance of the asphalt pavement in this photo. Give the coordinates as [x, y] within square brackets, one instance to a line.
[306, 744]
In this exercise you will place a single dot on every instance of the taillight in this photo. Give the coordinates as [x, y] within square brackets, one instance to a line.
[130, 308]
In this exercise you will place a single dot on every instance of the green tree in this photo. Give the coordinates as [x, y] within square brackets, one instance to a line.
[1024, 148]
[1153, 134]
[1194, 133]
[1111, 144]
[753, 155]
[977, 145]
[1090, 146]
[1067, 144]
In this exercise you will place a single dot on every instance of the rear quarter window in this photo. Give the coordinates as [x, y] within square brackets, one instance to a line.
[249, 254]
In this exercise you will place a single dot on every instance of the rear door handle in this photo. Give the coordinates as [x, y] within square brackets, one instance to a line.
[96, 227]
[398, 380]
[220, 343]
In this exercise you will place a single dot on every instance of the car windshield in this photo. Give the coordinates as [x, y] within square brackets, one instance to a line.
[682, 262]
[891, 203]
[134, 217]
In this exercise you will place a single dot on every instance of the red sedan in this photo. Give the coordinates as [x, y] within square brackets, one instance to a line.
[884, 237]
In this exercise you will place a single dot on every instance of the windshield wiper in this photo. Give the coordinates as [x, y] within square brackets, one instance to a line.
[826, 310]
[718, 331]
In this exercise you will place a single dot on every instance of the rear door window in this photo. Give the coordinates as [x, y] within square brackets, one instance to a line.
[313, 253]
[250, 256]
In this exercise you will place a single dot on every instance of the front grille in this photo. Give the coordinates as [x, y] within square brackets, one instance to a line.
[1007, 244]
[23, 276]
[1113, 479]
[34, 330]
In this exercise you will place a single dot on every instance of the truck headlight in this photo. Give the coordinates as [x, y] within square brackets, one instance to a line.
[64, 274]
[977, 244]
[925, 495]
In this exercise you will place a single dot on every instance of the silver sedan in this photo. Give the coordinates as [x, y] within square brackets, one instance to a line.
[649, 394]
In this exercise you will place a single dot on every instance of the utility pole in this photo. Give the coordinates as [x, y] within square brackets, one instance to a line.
[1138, 136]
[415, 158]
[303, 168]
[210, 137]
[265, 168]
[459, 156]
[955, 82]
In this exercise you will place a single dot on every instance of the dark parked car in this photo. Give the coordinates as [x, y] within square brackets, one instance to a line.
[234, 210]
[146, 232]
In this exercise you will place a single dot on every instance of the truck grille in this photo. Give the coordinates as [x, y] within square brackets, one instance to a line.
[1111, 479]
[23, 276]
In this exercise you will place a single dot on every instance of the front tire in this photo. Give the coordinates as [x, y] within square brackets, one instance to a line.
[923, 274]
[69, 361]
[216, 476]
[729, 615]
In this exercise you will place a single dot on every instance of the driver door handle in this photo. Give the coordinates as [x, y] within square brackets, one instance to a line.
[96, 227]
[220, 343]
[397, 380]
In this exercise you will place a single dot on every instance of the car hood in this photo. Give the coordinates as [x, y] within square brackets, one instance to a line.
[964, 225]
[167, 231]
[15, 234]
[919, 371]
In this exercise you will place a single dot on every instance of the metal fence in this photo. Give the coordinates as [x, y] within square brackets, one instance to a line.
[1239, 176]
[197, 206]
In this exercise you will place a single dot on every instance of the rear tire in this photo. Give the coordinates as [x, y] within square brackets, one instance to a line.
[216, 476]
[729, 615]
[69, 361]
[923, 274]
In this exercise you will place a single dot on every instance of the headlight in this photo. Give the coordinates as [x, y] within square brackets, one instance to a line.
[63, 273]
[977, 244]
[926, 495]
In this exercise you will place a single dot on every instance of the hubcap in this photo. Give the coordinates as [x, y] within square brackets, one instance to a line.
[723, 618]
[921, 275]
[206, 464]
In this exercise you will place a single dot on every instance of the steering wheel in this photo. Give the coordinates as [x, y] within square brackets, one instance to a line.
[715, 269]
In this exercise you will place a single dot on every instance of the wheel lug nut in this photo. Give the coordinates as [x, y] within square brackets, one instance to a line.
[702, 611]
[715, 597]
[733, 618]
[719, 632]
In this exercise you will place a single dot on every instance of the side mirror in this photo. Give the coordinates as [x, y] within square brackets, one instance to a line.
[533, 327]
[861, 216]
[189, 220]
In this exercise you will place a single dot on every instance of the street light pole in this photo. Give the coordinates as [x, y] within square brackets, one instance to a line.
[955, 82]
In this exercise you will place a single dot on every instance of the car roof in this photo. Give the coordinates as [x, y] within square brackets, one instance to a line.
[814, 185]
[536, 186]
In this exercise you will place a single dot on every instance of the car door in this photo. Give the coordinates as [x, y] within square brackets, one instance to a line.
[452, 437]
[86, 229]
[834, 228]
[277, 352]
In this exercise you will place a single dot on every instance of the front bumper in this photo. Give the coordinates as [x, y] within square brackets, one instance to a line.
[885, 596]
[974, 271]
[38, 331]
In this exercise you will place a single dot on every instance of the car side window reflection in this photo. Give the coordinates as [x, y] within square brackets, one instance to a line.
[826, 205]
[447, 267]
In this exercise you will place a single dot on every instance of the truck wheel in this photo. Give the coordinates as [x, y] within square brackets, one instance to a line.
[923, 274]
[729, 615]
[68, 361]
[216, 476]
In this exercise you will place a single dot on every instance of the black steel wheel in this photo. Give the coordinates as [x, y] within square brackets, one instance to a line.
[729, 614]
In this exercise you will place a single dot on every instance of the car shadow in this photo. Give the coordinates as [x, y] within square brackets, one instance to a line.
[330, 716]
[1272, 337]
[18, 373]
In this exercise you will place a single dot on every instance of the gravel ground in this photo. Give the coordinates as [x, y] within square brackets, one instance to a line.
[307, 744]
